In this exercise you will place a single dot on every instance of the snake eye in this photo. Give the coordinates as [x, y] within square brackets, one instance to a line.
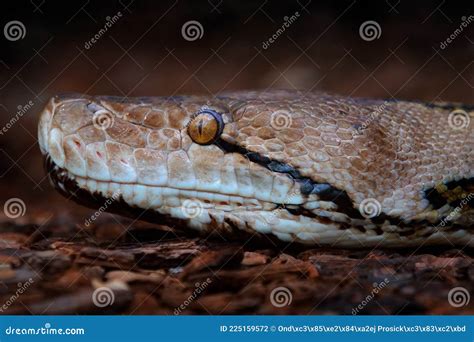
[205, 127]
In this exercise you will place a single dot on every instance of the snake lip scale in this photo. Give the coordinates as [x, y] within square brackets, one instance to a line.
[311, 168]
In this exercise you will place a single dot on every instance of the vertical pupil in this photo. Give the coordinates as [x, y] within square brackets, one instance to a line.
[200, 124]
[204, 127]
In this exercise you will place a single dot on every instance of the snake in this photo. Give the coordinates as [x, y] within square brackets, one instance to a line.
[305, 167]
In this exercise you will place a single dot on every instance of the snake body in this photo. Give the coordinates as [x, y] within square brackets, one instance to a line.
[306, 167]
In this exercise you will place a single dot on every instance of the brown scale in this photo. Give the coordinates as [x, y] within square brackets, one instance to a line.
[399, 156]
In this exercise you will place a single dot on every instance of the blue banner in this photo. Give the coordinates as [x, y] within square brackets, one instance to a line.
[237, 328]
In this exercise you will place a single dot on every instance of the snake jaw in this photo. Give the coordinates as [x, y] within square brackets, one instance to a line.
[106, 167]
[205, 212]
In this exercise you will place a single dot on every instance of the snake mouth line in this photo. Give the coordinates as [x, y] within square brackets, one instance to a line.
[70, 189]
[94, 192]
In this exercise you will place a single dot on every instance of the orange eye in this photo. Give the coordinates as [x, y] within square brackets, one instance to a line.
[205, 127]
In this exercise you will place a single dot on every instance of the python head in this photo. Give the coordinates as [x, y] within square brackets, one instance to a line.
[281, 163]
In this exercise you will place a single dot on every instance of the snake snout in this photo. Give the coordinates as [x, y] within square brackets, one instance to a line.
[44, 125]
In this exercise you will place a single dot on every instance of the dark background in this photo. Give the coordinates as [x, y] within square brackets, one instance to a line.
[144, 54]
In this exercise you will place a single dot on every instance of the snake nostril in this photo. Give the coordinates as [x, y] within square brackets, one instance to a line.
[94, 107]
[99, 154]
[123, 161]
